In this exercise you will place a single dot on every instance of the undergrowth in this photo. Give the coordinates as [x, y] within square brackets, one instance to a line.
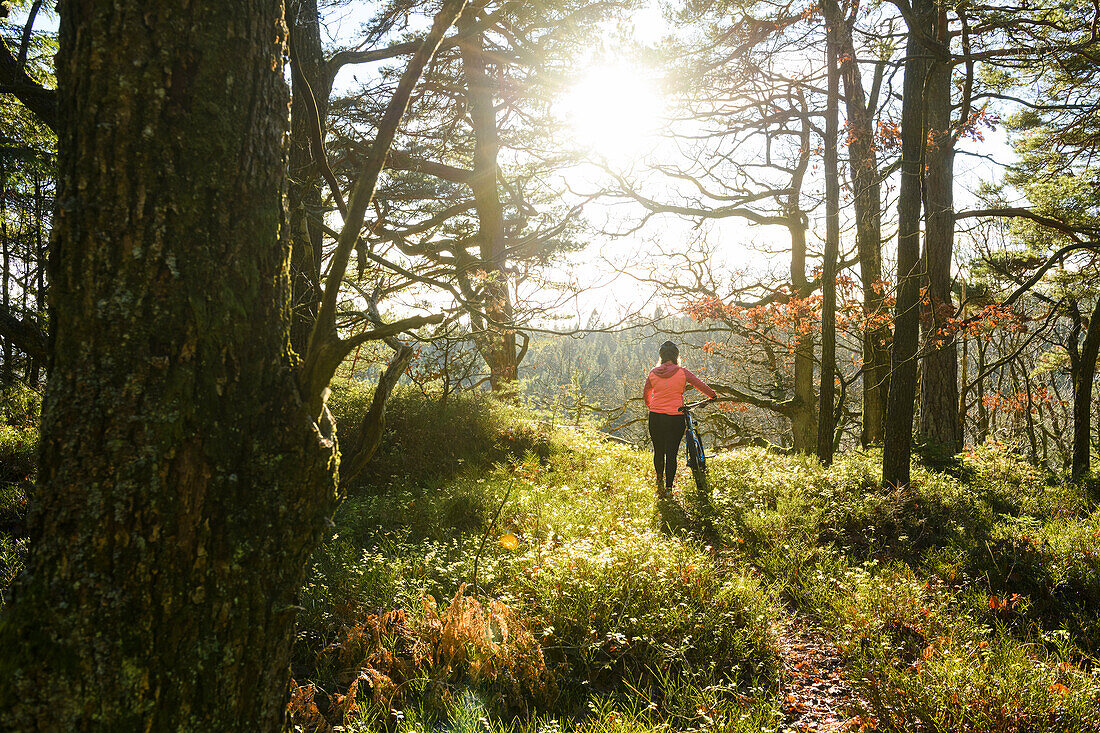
[960, 605]
[546, 531]
[494, 572]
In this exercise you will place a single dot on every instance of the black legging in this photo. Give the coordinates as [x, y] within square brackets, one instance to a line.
[666, 431]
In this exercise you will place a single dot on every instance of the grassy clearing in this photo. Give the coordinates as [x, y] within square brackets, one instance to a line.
[961, 604]
[494, 572]
[612, 624]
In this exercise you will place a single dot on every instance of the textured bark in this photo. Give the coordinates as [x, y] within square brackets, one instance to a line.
[826, 424]
[939, 394]
[183, 484]
[1083, 377]
[497, 341]
[304, 200]
[867, 202]
[898, 439]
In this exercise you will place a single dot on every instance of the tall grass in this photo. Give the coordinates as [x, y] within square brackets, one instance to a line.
[960, 604]
[558, 525]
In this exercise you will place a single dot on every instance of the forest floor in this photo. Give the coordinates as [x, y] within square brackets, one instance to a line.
[814, 692]
[495, 572]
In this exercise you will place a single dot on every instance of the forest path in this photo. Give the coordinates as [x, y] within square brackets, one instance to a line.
[813, 689]
[814, 693]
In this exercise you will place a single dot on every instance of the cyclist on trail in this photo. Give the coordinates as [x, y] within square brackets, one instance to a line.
[664, 396]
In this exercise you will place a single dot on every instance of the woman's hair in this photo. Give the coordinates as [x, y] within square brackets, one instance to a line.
[669, 352]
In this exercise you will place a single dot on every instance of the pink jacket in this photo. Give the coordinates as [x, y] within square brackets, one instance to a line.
[665, 385]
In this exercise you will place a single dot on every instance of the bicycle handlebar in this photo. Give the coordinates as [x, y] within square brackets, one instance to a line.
[700, 403]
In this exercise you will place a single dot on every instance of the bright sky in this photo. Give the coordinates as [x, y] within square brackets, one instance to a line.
[615, 114]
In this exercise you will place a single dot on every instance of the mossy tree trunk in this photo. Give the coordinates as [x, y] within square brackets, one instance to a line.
[183, 484]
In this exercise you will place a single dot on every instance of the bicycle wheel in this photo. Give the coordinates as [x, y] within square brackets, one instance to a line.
[696, 461]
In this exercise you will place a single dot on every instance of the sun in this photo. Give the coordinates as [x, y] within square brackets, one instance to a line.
[613, 113]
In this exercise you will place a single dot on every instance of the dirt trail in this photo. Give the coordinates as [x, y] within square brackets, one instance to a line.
[814, 692]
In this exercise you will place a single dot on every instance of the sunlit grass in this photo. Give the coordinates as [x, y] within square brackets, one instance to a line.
[640, 630]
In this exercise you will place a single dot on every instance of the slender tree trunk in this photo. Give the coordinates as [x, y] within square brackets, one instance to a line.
[1057, 431]
[964, 365]
[35, 366]
[304, 199]
[498, 341]
[6, 284]
[826, 425]
[867, 202]
[898, 439]
[982, 431]
[1018, 381]
[182, 484]
[1082, 397]
[939, 394]
[803, 416]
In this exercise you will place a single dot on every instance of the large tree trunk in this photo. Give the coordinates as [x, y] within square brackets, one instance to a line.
[182, 484]
[867, 202]
[898, 441]
[939, 394]
[497, 342]
[826, 425]
[1083, 377]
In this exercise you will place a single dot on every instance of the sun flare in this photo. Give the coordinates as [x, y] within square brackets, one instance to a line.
[614, 113]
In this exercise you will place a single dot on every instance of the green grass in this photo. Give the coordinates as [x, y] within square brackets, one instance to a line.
[961, 605]
[493, 571]
[638, 629]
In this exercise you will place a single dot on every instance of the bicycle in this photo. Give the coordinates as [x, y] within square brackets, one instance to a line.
[696, 456]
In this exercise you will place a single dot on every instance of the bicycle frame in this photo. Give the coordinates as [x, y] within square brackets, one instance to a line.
[696, 456]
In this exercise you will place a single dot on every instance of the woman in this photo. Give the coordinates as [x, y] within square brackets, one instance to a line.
[664, 396]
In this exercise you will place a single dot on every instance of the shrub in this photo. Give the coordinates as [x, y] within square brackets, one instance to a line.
[436, 440]
[18, 453]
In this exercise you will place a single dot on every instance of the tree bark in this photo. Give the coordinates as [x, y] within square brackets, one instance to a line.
[867, 202]
[1083, 377]
[497, 342]
[183, 483]
[939, 394]
[898, 439]
[803, 416]
[304, 193]
[826, 425]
